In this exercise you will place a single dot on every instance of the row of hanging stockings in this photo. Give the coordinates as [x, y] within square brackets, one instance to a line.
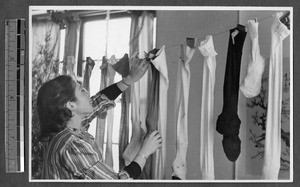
[179, 166]
[228, 122]
[224, 125]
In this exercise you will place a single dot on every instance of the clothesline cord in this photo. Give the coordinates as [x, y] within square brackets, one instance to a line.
[99, 60]
[202, 38]
[219, 33]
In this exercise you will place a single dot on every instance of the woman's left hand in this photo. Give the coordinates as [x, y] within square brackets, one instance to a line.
[137, 71]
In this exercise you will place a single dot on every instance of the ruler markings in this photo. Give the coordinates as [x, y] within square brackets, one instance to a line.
[14, 103]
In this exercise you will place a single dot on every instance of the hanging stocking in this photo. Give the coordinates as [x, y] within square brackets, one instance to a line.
[207, 109]
[228, 122]
[181, 112]
[256, 66]
[271, 165]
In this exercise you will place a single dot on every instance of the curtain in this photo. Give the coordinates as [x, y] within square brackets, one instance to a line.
[45, 66]
[134, 33]
[141, 41]
[72, 42]
[45, 41]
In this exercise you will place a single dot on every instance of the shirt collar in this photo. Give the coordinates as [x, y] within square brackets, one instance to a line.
[81, 133]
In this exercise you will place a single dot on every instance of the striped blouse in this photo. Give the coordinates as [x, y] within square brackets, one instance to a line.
[73, 153]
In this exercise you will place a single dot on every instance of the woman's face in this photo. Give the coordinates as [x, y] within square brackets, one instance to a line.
[83, 102]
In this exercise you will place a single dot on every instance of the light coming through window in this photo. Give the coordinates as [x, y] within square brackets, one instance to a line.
[96, 38]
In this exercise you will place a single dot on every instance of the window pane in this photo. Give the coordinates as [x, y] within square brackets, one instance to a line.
[94, 39]
[118, 37]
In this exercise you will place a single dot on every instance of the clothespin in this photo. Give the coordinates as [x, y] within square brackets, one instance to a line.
[234, 35]
[191, 42]
[90, 61]
[237, 30]
[151, 55]
[285, 19]
[104, 63]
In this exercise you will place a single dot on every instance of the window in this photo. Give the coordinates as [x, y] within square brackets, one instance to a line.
[100, 39]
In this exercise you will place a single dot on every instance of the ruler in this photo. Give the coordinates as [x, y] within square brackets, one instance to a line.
[14, 94]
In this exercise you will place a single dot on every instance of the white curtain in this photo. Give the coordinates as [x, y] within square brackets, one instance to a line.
[72, 42]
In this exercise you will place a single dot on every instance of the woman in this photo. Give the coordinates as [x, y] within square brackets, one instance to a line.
[64, 108]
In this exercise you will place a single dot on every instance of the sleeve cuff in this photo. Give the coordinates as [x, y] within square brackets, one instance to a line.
[133, 169]
[111, 92]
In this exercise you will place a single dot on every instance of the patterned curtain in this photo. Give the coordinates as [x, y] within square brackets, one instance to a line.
[45, 66]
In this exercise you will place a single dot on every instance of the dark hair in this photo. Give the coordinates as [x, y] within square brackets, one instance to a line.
[51, 100]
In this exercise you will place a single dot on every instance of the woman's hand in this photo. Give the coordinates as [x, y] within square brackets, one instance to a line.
[137, 71]
[151, 143]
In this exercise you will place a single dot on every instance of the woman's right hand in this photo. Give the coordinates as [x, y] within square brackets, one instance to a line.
[151, 143]
[137, 70]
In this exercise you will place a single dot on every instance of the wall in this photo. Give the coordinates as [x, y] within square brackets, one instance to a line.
[172, 28]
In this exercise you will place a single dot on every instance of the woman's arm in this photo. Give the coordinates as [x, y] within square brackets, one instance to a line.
[114, 90]
[137, 71]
